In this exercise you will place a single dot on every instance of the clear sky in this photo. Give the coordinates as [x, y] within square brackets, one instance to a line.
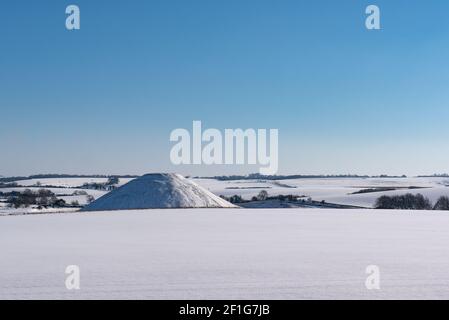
[105, 98]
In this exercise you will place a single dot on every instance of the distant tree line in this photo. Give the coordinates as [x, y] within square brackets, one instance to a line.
[383, 189]
[234, 199]
[108, 185]
[48, 176]
[42, 198]
[435, 175]
[8, 185]
[253, 176]
[411, 202]
[262, 196]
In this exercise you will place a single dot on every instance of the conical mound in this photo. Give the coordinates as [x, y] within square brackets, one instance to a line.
[159, 190]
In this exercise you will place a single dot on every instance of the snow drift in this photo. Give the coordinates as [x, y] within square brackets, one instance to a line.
[159, 190]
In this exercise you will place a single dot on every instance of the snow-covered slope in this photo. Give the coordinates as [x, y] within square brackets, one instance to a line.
[159, 190]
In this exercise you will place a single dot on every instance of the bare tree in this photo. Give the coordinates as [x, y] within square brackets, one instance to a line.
[442, 204]
[263, 195]
[90, 198]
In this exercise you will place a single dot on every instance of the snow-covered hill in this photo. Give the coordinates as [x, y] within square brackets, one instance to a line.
[159, 190]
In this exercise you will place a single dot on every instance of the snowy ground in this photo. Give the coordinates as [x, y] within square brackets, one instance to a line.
[63, 188]
[226, 254]
[66, 182]
[61, 193]
[332, 190]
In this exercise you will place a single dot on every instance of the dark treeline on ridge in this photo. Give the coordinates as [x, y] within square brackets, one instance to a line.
[253, 176]
[411, 202]
[51, 175]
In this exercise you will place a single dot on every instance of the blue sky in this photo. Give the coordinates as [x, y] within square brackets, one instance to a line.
[105, 98]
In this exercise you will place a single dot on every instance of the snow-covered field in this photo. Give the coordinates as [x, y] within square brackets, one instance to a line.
[226, 254]
[332, 190]
[62, 193]
[66, 182]
[63, 188]
[57, 191]
[60, 182]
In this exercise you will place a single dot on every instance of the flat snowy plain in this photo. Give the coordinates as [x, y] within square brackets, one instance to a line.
[226, 254]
